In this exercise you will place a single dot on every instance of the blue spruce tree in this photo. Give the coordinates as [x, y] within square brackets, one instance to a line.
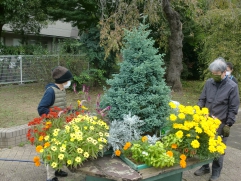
[139, 88]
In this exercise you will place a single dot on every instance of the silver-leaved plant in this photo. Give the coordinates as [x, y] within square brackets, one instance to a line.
[124, 131]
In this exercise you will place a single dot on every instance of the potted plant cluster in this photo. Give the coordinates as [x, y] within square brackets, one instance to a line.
[69, 139]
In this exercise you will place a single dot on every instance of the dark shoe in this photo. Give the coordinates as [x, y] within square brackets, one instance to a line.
[53, 179]
[61, 173]
[215, 175]
[202, 171]
[213, 178]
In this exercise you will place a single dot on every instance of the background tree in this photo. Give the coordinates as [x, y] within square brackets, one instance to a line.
[23, 16]
[218, 34]
[80, 13]
[140, 87]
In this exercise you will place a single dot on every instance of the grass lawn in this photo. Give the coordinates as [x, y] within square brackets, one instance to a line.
[19, 102]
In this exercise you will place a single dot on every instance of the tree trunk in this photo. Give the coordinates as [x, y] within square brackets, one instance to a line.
[175, 46]
[1, 29]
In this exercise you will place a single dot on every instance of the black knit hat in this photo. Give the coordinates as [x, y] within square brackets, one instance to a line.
[61, 74]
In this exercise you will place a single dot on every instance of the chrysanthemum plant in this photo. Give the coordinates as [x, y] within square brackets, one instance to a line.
[67, 139]
[193, 132]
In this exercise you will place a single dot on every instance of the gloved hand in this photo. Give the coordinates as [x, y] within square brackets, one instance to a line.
[226, 131]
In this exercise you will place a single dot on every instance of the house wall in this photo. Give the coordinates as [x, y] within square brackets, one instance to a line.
[53, 33]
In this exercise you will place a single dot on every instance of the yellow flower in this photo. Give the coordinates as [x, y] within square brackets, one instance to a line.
[172, 105]
[46, 138]
[78, 159]
[94, 142]
[61, 156]
[69, 162]
[79, 102]
[205, 110]
[55, 133]
[181, 116]
[107, 134]
[198, 129]
[79, 150]
[144, 138]
[83, 107]
[62, 149]
[92, 128]
[41, 138]
[195, 144]
[86, 154]
[54, 165]
[100, 147]
[173, 117]
[100, 133]
[54, 148]
[179, 134]
[85, 127]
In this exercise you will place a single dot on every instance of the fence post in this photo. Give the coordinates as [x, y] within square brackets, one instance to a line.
[21, 70]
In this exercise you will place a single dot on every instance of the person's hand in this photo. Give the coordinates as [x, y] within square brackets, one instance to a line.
[226, 131]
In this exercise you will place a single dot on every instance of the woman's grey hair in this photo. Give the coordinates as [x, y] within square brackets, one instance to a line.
[218, 64]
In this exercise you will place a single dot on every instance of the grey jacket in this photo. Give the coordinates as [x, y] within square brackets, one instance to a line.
[222, 101]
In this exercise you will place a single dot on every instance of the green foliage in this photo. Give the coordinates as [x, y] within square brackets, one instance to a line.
[96, 54]
[139, 88]
[23, 50]
[220, 36]
[23, 16]
[80, 13]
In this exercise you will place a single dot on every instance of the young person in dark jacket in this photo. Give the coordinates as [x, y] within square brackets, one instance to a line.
[221, 96]
[229, 72]
[55, 95]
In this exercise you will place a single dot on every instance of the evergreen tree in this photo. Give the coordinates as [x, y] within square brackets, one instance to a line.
[139, 88]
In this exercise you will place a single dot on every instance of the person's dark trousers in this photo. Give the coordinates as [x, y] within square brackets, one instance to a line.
[217, 164]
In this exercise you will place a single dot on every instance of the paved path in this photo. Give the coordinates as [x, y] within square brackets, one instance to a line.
[26, 171]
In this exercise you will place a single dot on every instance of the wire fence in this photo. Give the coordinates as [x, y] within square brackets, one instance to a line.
[28, 68]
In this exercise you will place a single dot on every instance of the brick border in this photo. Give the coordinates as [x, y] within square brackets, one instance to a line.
[13, 136]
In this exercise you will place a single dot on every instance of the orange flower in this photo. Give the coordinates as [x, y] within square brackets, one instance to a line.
[144, 138]
[183, 163]
[36, 159]
[183, 157]
[174, 146]
[117, 152]
[38, 148]
[170, 153]
[125, 147]
[128, 144]
[37, 164]
[47, 144]
[48, 157]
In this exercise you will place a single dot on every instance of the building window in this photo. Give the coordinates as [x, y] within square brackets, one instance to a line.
[16, 42]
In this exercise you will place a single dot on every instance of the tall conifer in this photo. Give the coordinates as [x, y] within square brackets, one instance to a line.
[139, 88]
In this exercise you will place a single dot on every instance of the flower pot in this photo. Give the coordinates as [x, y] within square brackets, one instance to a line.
[133, 165]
